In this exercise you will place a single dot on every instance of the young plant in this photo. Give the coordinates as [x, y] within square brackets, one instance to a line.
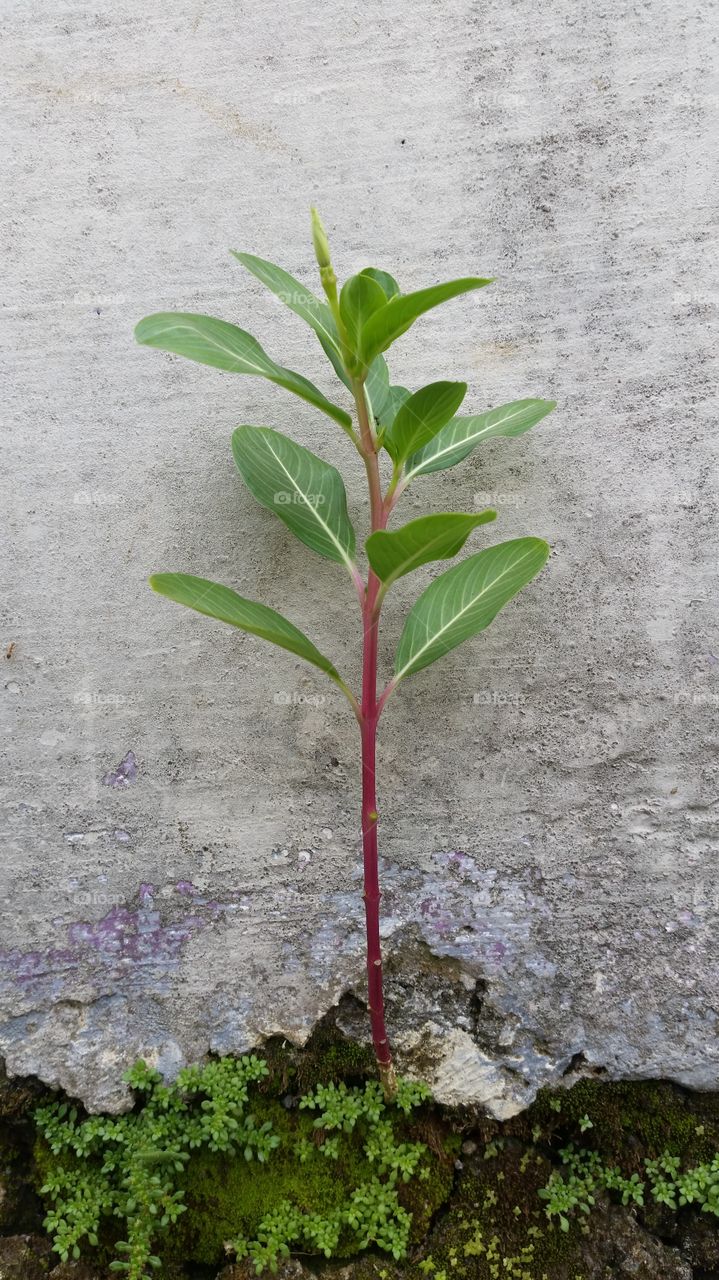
[418, 433]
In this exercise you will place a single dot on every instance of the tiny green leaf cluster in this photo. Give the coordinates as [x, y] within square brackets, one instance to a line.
[373, 1213]
[132, 1167]
[587, 1176]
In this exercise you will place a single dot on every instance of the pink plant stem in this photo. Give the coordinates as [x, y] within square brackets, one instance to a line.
[370, 712]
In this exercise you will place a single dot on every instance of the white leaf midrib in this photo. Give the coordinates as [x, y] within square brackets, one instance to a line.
[459, 444]
[426, 546]
[304, 309]
[219, 346]
[304, 647]
[310, 506]
[270, 369]
[399, 675]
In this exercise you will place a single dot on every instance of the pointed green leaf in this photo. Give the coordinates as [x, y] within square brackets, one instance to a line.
[385, 281]
[464, 600]
[392, 405]
[223, 345]
[455, 441]
[216, 601]
[335, 359]
[361, 296]
[392, 320]
[422, 416]
[305, 492]
[294, 295]
[436, 537]
[377, 389]
[304, 303]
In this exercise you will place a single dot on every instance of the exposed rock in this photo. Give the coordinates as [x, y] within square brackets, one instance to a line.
[17, 1095]
[78, 1271]
[699, 1242]
[290, 1270]
[619, 1249]
[24, 1258]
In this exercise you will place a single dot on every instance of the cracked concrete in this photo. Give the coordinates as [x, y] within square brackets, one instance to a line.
[482, 999]
[179, 806]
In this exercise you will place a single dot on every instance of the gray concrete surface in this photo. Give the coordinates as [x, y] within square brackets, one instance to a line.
[179, 803]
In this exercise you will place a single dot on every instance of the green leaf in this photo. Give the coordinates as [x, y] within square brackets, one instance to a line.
[305, 492]
[223, 345]
[335, 360]
[392, 405]
[464, 600]
[216, 601]
[422, 416]
[385, 281]
[455, 441]
[360, 298]
[305, 304]
[436, 537]
[294, 295]
[395, 318]
[377, 388]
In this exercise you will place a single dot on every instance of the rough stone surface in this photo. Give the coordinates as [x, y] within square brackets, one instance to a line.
[24, 1258]
[699, 1243]
[79, 1271]
[179, 805]
[619, 1248]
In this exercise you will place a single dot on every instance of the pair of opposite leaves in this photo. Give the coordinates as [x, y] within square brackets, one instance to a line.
[420, 433]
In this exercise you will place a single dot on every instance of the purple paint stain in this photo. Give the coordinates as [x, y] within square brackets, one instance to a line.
[498, 950]
[185, 887]
[122, 938]
[125, 773]
[429, 907]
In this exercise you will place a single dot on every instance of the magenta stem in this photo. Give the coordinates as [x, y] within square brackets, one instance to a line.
[370, 713]
[370, 818]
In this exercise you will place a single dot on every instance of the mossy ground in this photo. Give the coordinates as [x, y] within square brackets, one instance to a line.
[477, 1216]
[227, 1197]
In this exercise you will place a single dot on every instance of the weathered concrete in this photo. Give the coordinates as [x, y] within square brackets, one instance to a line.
[179, 803]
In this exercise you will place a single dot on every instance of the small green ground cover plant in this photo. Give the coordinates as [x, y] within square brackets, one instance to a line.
[216, 1159]
[402, 438]
[327, 1178]
[586, 1176]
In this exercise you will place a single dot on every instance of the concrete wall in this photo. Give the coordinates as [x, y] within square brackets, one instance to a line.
[549, 793]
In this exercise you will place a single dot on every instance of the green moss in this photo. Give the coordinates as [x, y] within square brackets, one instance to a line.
[228, 1197]
[495, 1226]
[492, 1224]
[629, 1120]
